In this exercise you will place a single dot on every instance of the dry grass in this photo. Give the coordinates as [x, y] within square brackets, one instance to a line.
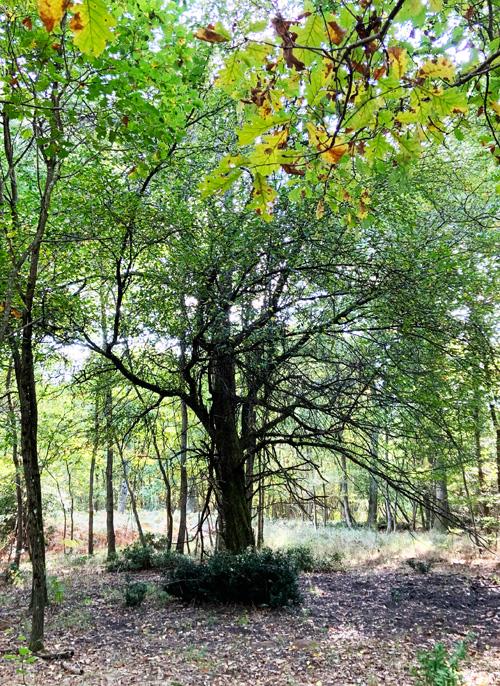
[364, 547]
[358, 547]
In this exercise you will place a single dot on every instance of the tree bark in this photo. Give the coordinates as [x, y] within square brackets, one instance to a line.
[372, 503]
[441, 518]
[235, 522]
[90, 545]
[344, 490]
[496, 426]
[18, 477]
[373, 486]
[25, 377]
[183, 495]
[110, 524]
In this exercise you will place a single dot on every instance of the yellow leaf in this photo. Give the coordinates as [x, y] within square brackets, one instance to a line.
[51, 12]
[335, 152]
[320, 209]
[441, 68]
[91, 24]
[398, 59]
[495, 106]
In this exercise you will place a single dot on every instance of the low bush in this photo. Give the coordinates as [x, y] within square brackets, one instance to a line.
[439, 667]
[306, 561]
[136, 557]
[135, 593]
[253, 578]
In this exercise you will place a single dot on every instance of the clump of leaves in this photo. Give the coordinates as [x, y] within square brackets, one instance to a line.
[306, 561]
[136, 557]
[420, 566]
[55, 590]
[439, 667]
[253, 578]
[7, 513]
[302, 557]
[135, 593]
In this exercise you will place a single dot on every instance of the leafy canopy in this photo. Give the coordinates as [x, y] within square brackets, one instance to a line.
[336, 92]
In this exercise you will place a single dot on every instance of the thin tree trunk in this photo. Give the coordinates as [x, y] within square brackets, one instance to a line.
[71, 507]
[373, 486]
[168, 490]
[133, 500]
[90, 547]
[110, 524]
[496, 426]
[388, 511]
[344, 490]
[183, 495]
[18, 477]
[483, 505]
[441, 516]
[372, 503]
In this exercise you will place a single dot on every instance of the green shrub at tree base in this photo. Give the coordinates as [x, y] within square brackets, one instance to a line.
[136, 558]
[252, 578]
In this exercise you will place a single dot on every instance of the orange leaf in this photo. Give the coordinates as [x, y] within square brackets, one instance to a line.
[51, 12]
[335, 32]
[209, 35]
[335, 152]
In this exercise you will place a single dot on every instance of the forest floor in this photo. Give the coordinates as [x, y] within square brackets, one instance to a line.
[361, 626]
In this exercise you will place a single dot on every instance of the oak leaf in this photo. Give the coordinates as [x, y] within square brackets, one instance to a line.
[51, 12]
[212, 34]
[336, 32]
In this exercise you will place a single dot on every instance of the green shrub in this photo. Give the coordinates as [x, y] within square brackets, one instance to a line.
[55, 590]
[437, 667]
[8, 513]
[255, 578]
[133, 558]
[306, 561]
[157, 542]
[302, 557]
[136, 557]
[135, 593]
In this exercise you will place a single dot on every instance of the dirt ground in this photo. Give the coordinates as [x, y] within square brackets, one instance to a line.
[355, 627]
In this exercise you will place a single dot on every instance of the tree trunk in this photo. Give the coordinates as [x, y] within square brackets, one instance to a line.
[372, 503]
[235, 521]
[18, 477]
[496, 426]
[373, 485]
[122, 499]
[90, 546]
[183, 496]
[344, 490]
[110, 525]
[483, 505]
[71, 507]
[168, 490]
[441, 516]
[25, 378]
[133, 500]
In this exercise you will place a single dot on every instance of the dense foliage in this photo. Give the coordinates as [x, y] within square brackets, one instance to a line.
[251, 578]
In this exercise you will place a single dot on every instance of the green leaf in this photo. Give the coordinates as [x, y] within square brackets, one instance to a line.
[258, 125]
[312, 35]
